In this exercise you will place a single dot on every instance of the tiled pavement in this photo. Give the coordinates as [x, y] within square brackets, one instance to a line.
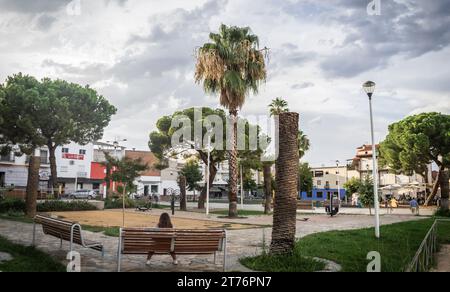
[241, 243]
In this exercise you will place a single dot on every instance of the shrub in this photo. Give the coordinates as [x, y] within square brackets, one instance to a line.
[116, 203]
[61, 206]
[12, 205]
[442, 213]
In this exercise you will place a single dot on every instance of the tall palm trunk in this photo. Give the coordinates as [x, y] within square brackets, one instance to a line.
[183, 205]
[444, 182]
[233, 167]
[53, 169]
[285, 210]
[267, 188]
[32, 185]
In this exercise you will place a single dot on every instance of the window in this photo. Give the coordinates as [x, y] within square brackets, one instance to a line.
[319, 182]
[65, 150]
[72, 162]
[43, 157]
[82, 152]
[154, 189]
[95, 186]
[327, 172]
[319, 194]
[309, 195]
[337, 183]
[319, 174]
[64, 169]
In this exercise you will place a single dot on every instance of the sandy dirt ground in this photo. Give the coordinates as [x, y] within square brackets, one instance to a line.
[113, 218]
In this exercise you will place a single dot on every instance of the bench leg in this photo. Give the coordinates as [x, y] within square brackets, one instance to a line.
[225, 253]
[119, 252]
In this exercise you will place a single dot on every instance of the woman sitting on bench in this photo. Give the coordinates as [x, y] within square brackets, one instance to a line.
[164, 222]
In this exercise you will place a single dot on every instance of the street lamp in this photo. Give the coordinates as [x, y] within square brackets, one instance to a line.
[116, 145]
[369, 88]
[338, 180]
[209, 149]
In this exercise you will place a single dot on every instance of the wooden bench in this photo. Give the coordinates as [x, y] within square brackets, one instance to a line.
[142, 241]
[65, 230]
[305, 205]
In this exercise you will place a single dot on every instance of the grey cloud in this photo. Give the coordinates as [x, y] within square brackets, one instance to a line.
[36, 6]
[44, 22]
[408, 28]
[303, 85]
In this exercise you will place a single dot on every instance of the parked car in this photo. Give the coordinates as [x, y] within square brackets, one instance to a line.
[83, 195]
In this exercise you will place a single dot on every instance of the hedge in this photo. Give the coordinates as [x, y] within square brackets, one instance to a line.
[17, 205]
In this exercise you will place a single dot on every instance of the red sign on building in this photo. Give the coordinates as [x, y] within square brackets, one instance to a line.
[73, 156]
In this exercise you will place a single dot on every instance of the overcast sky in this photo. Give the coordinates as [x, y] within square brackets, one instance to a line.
[139, 54]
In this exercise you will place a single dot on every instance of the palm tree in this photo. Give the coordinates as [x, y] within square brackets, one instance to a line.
[232, 66]
[278, 106]
[285, 210]
[303, 144]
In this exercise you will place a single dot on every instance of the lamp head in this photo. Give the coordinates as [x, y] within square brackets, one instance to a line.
[369, 88]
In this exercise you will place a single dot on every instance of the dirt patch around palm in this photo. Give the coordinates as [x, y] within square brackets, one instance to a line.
[113, 218]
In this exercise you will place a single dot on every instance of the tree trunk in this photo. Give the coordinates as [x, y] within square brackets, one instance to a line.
[233, 168]
[285, 209]
[444, 182]
[435, 187]
[212, 177]
[53, 170]
[183, 205]
[267, 188]
[32, 186]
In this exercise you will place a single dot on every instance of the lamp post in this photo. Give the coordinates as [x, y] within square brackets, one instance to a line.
[116, 145]
[208, 172]
[369, 88]
[338, 180]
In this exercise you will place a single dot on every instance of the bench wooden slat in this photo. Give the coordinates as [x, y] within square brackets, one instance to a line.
[67, 231]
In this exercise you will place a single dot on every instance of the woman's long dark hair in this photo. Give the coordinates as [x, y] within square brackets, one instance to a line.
[164, 221]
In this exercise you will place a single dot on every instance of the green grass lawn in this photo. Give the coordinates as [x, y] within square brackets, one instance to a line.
[397, 247]
[27, 259]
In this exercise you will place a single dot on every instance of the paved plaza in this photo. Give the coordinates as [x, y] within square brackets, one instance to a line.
[241, 242]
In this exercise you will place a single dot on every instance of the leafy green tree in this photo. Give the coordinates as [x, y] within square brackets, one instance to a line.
[73, 114]
[352, 186]
[161, 142]
[232, 66]
[20, 111]
[191, 171]
[305, 178]
[126, 171]
[415, 142]
[365, 191]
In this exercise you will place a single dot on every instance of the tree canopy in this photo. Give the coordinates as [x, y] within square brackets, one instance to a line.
[416, 141]
[305, 177]
[191, 171]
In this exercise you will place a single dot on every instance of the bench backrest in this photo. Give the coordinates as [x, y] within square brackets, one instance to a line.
[60, 228]
[199, 241]
[143, 241]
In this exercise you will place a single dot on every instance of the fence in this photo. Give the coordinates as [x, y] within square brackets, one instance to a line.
[424, 258]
